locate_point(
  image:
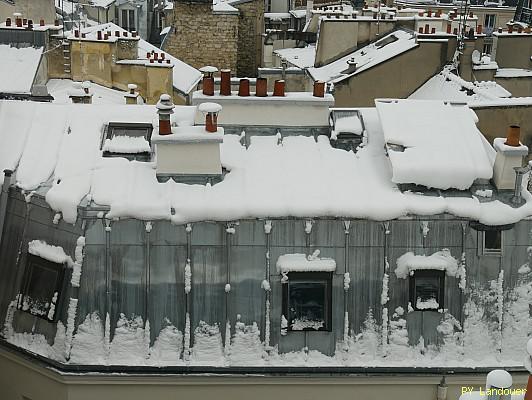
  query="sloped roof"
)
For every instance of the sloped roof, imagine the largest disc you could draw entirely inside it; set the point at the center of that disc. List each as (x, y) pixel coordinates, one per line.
(367, 57)
(18, 68)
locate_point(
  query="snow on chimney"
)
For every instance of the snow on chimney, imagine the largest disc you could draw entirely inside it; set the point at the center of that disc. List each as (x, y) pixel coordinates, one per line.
(131, 96)
(165, 107)
(211, 111)
(208, 79)
(510, 154)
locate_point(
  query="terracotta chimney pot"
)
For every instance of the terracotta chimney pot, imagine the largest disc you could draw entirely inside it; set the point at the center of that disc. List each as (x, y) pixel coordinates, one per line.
(512, 136)
(243, 88)
(319, 89)
(225, 83)
(208, 86)
(261, 89)
(278, 88)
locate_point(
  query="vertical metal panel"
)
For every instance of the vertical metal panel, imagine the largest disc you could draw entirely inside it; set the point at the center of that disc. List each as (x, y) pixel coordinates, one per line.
(289, 232)
(247, 272)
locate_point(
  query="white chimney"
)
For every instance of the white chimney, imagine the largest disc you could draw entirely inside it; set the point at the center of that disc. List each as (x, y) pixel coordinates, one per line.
(191, 154)
(510, 154)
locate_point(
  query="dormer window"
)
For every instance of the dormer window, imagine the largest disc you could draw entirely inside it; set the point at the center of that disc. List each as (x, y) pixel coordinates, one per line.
(41, 288)
(128, 140)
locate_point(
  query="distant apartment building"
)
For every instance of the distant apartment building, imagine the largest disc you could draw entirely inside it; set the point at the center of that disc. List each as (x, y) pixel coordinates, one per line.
(30, 9)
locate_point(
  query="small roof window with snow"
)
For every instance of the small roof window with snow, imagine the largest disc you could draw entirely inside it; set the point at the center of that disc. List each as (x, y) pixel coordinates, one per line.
(427, 289)
(128, 140)
(42, 284)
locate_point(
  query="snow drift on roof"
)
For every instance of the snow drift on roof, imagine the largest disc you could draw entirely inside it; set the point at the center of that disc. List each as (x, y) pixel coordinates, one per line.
(367, 57)
(301, 57)
(441, 260)
(18, 68)
(300, 177)
(433, 143)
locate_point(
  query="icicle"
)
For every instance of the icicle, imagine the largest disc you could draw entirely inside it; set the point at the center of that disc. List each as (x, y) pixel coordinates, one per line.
(188, 277)
(149, 226)
(147, 340)
(500, 307)
(308, 226)
(425, 228)
(57, 218)
(227, 344)
(267, 325)
(107, 336)
(347, 226)
(186, 345)
(243, 137)
(71, 320)
(347, 281)
(284, 325)
(78, 263)
(346, 330)
(267, 226)
(188, 228)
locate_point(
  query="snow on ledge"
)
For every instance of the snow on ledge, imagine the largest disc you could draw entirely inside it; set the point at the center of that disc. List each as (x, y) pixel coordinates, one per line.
(441, 260)
(51, 253)
(127, 144)
(301, 263)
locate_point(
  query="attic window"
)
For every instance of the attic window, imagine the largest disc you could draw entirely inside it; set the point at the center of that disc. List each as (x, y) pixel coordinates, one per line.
(307, 301)
(41, 288)
(492, 242)
(128, 140)
(427, 290)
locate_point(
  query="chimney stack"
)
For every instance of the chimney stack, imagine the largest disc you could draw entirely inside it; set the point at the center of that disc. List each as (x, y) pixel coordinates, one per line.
(41, 22)
(225, 82)
(165, 107)
(8, 21)
(132, 95)
(211, 111)
(510, 154)
(208, 79)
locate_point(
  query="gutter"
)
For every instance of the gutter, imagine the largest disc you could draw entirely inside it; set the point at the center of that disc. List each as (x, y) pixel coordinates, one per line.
(19, 355)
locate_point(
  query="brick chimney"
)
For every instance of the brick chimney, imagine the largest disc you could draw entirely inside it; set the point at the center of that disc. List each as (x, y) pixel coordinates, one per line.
(510, 155)
(165, 107)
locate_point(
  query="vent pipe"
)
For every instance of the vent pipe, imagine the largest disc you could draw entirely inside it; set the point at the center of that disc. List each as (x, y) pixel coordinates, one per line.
(278, 88)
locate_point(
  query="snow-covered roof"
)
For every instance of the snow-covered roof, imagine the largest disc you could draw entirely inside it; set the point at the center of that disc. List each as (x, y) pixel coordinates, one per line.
(301, 13)
(276, 16)
(59, 89)
(18, 68)
(301, 57)
(301, 262)
(448, 86)
(300, 177)
(224, 6)
(367, 57)
(185, 77)
(102, 3)
(434, 144)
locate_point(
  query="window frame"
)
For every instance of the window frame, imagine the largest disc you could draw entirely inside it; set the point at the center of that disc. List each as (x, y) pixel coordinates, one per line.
(319, 277)
(427, 273)
(130, 13)
(59, 286)
(490, 252)
(108, 134)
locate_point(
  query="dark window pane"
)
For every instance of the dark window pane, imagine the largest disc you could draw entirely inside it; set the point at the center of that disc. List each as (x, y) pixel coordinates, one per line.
(307, 305)
(427, 288)
(124, 19)
(131, 20)
(492, 241)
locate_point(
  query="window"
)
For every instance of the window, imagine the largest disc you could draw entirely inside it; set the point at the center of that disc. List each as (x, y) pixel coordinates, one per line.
(427, 290)
(128, 140)
(128, 20)
(489, 21)
(492, 242)
(487, 48)
(42, 284)
(307, 301)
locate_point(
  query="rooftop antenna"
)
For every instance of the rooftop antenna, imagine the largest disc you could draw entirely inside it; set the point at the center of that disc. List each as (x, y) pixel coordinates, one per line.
(378, 18)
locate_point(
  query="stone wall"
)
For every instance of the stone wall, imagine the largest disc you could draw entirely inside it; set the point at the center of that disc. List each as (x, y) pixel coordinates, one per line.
(201, 38)
(250, 30)
(224, 40)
